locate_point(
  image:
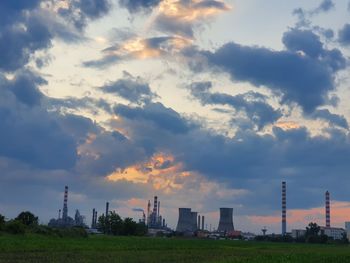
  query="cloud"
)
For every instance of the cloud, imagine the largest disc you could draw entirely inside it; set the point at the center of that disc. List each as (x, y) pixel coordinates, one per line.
(344, 35)
(28, 132)
(133, 89)
(253, 104)
(79, 12)
(179, 17)
(156, 114)
(333, 119)
(139, 48)
(24, 86)
(304, 16)
(325, 6)
(135, 6)
(304, 76)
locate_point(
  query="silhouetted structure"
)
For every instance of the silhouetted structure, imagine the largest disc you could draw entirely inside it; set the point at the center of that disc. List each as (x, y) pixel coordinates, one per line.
(187, 220)
(328, 209)
(284, 208)
(226, 220)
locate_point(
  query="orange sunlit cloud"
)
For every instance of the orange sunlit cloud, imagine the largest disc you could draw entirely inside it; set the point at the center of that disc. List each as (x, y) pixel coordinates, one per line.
(340, 212)
(192, 10)
(160, 171)
(141, 48)
(287, 125)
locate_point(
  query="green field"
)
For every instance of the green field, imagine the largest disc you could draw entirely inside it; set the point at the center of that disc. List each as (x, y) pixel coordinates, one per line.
(31, 248)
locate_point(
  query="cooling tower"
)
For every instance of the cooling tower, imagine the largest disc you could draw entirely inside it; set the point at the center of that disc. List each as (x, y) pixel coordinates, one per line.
(226, 220)
(187, 220)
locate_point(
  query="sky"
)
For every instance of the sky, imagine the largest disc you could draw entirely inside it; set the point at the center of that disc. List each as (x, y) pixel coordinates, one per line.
(204, 103)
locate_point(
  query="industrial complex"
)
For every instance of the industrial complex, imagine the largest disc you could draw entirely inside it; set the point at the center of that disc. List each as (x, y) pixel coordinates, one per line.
(192, 223)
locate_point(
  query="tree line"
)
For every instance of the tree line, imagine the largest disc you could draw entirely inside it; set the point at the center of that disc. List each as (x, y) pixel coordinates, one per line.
(113, 224)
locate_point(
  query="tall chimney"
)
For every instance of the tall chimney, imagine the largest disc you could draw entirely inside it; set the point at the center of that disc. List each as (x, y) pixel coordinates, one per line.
(155, 210)
(95, 222)
(158, 217)
(199, 222)
(59, 213)
(328, 210)
(202, 222)
(107, 209)
(284, 209)
(149, 213)
(93, 218)
(65, 204)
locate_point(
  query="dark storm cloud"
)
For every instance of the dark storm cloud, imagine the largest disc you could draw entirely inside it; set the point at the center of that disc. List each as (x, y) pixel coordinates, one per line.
(31, 134)
(80, 11)
(157, 114)
(344, 35)
(249, 160)
(25, 87)
(253, 104)
(304, 78)
(333, 119)
(133, 89)
(135, 6)
(17, 43)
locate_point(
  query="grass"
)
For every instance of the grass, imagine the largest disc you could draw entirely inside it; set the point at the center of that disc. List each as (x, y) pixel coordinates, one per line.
(35, 248)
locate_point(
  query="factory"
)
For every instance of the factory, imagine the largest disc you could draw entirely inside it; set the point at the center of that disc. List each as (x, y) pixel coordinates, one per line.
(335, 233)
(192, 223)
(65, 220)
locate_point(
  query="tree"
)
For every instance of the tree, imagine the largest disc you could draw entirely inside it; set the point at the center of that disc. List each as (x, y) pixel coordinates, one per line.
(2, 222)
(115, 223)
(129, 226)
(27, 218)
(312, 229)
(312, 234)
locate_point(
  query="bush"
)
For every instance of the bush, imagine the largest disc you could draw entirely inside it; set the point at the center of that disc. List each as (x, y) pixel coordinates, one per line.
(15, 227)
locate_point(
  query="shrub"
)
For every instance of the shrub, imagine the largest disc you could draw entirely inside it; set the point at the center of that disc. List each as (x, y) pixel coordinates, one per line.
(15, 227)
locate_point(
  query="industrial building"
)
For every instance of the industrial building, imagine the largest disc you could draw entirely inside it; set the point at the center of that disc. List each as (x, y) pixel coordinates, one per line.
(226, 220)
(154, 218)
(187, 221)
(65, 220)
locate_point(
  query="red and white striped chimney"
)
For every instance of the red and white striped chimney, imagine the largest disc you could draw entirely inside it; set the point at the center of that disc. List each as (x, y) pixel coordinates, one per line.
(328, 210)
(284, 208)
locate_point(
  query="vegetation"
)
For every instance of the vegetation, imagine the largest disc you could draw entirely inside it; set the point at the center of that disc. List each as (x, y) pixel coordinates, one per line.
(115, 225)
(103, 248)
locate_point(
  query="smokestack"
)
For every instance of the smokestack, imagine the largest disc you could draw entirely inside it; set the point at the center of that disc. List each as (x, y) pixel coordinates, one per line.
(59, 213)
(65, 204)
(93, 218)
(202, 222)
(199, 222)
(149, 213)
(328, 210)
(284, 208)
(163, 222)
(158, 217)
(107, 209)
(95, 222)
(155, 210)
